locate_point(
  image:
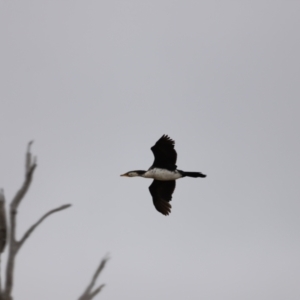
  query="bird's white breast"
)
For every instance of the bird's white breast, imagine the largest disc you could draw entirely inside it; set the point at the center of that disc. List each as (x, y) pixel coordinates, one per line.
(162, 174)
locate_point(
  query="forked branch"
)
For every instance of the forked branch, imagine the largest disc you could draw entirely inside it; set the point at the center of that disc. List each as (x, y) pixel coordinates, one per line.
(88, 293)
(14, 245)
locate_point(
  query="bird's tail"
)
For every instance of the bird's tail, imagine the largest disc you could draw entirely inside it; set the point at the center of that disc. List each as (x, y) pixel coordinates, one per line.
(192, 174)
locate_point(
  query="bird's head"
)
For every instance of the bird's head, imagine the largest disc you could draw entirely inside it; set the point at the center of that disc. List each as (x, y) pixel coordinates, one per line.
(134, 173)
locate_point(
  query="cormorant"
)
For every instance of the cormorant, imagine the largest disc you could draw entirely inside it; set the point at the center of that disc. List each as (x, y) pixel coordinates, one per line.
(164, 172)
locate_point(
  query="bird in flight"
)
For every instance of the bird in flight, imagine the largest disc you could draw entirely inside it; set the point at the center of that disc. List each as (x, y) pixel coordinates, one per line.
(164, 172)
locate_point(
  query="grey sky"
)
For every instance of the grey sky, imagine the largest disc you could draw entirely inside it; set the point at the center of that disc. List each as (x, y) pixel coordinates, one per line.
(95, 84)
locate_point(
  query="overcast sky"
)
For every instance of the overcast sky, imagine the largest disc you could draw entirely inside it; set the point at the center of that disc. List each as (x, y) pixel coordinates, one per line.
(95, 84)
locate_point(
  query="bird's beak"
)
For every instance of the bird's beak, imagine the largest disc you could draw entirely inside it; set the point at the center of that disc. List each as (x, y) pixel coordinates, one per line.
(124, 175)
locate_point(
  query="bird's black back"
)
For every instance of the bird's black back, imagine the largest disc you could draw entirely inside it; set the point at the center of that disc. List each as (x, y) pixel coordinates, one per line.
(164, 154)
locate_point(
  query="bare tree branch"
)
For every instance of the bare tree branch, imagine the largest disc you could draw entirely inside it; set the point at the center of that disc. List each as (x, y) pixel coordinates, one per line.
(14, 245)
(30, 166)
(88, 294)
(96, 291)
(33, 227)
(28, 158)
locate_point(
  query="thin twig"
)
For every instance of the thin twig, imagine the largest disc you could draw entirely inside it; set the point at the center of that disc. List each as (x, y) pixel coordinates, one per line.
(88, 294)
(33, 227)
(28, 162)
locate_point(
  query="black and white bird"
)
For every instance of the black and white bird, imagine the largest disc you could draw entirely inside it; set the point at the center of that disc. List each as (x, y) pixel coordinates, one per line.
(164, 172)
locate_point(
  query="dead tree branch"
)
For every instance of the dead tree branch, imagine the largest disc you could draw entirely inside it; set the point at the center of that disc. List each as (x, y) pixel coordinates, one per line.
(88, 293)
(30, 165)
(31, 229)
(14, 245)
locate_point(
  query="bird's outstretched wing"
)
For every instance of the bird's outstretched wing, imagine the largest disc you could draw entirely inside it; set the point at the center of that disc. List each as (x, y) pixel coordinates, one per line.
(161, 192)
(164, 154)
